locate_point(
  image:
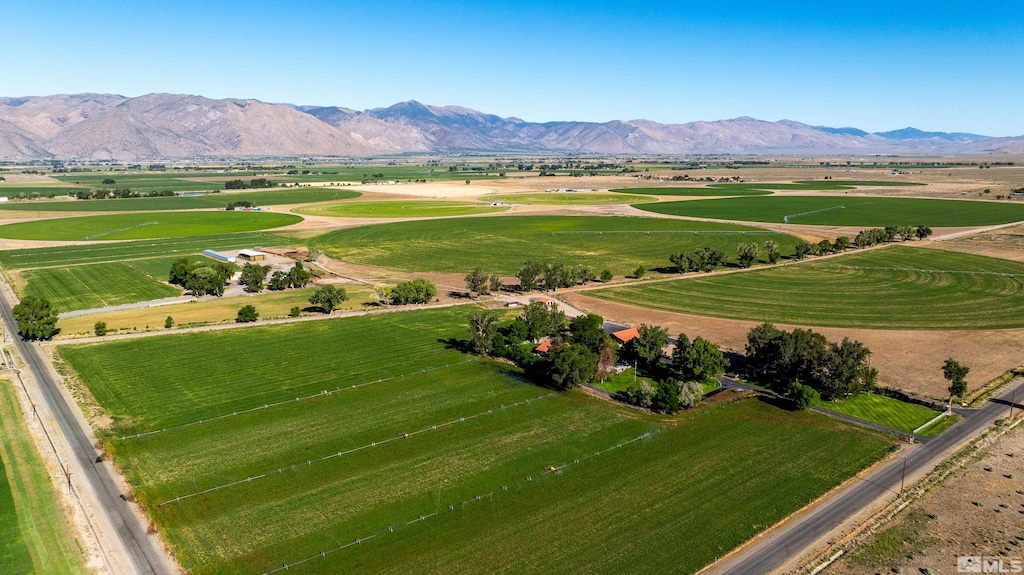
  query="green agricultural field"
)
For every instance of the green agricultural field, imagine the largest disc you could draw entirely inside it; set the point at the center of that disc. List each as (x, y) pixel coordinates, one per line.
(399, 209)
(501, 244)
(120, 251)
(838, 210)
(883, 410)
(149, 182)
(931, 289)
(145, 225)
(705, 191)
(299, 504)
(761, 189)
(568, 199)
(34, 534)
(204, 201)
(95, 285)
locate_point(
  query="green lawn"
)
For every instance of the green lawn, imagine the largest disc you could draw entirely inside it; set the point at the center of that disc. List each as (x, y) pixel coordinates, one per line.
(501, 244)
(668, 486)
(836, 293)
(399, 209)
(35, 536)
(266, 198)
(841, 210)
(120, 251)
(134, 226)
(568, 198)
(96, 285)
(883, 410)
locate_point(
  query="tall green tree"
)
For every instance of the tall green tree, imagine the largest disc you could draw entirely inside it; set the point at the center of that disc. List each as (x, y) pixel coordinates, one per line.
(418, 290)
(299, 276)
(543, 319)
(647, 347)
(328, 297)
(747, 254)
(588, 331)
(666, 397)
(955, 373)
(483, 326)
(700, 361)
(572, 366)
(476, 281)
(529, 276)
(247, 314)
(253, 276)
(771, 249)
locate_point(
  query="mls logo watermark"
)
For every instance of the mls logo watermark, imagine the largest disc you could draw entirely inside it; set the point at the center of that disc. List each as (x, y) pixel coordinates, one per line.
(979, 564)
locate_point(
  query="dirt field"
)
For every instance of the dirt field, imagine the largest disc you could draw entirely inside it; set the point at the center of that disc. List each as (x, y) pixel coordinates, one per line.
(908, 360)
(1005, 243)
(978, 511)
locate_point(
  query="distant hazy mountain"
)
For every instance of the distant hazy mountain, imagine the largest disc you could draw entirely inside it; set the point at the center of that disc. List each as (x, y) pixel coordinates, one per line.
(170, 126)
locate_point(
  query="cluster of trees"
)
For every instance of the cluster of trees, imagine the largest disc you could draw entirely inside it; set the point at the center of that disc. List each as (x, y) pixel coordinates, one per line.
(418, 290)
(201, 277)
(704, 259)
(254, 277)
(253, 183)
(239, 204)
(581, 352)
(480, 283)
(36, 318)
(678, 383)
(824, 247)
(787, 361)
(103, 194)
(890, 234)
(551, 276)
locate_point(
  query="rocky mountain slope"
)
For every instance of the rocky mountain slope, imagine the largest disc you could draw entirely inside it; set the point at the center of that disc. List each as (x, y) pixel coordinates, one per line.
(171, 126)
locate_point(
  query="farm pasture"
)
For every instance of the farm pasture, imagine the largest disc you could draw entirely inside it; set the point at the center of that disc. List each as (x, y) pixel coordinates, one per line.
(97, 285)
(299, 504)
(398, 209)
(132, 226)
(895, 287)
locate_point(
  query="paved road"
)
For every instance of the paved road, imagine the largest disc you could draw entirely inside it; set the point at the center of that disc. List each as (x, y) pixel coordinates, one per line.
(143, 551)
(795, 537)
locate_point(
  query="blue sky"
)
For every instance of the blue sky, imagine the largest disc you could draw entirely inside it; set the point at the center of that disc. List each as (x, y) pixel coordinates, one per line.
(874, 65)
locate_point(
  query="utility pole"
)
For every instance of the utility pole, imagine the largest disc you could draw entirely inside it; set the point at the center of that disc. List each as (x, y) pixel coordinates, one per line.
(903, 479)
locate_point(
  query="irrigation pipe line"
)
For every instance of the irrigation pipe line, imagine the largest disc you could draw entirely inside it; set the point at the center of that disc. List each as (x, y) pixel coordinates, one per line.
(880, 268)
(785, 219)
(692, 232)
(119, 230)
(551, 470)
(310, 462)
(288, 401)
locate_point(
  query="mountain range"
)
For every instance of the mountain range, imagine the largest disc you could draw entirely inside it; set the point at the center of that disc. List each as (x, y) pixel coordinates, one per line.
(173, 126)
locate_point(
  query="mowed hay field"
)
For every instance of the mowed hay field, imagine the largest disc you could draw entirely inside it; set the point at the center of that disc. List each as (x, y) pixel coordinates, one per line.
(500, 244)
(667, 485)
(399, 209)
(97, 285)
(895, 287)
(145, 225)
(119, 251)
(265, 198)
(835, 210)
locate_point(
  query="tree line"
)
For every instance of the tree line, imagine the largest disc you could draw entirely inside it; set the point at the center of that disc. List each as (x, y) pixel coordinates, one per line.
(253, 183)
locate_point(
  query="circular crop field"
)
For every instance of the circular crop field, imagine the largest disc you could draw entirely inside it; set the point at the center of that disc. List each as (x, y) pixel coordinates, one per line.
(135, 226)
(399, 209)
(569, 199)
(892, 288)
(501, 244)
(838, 210)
